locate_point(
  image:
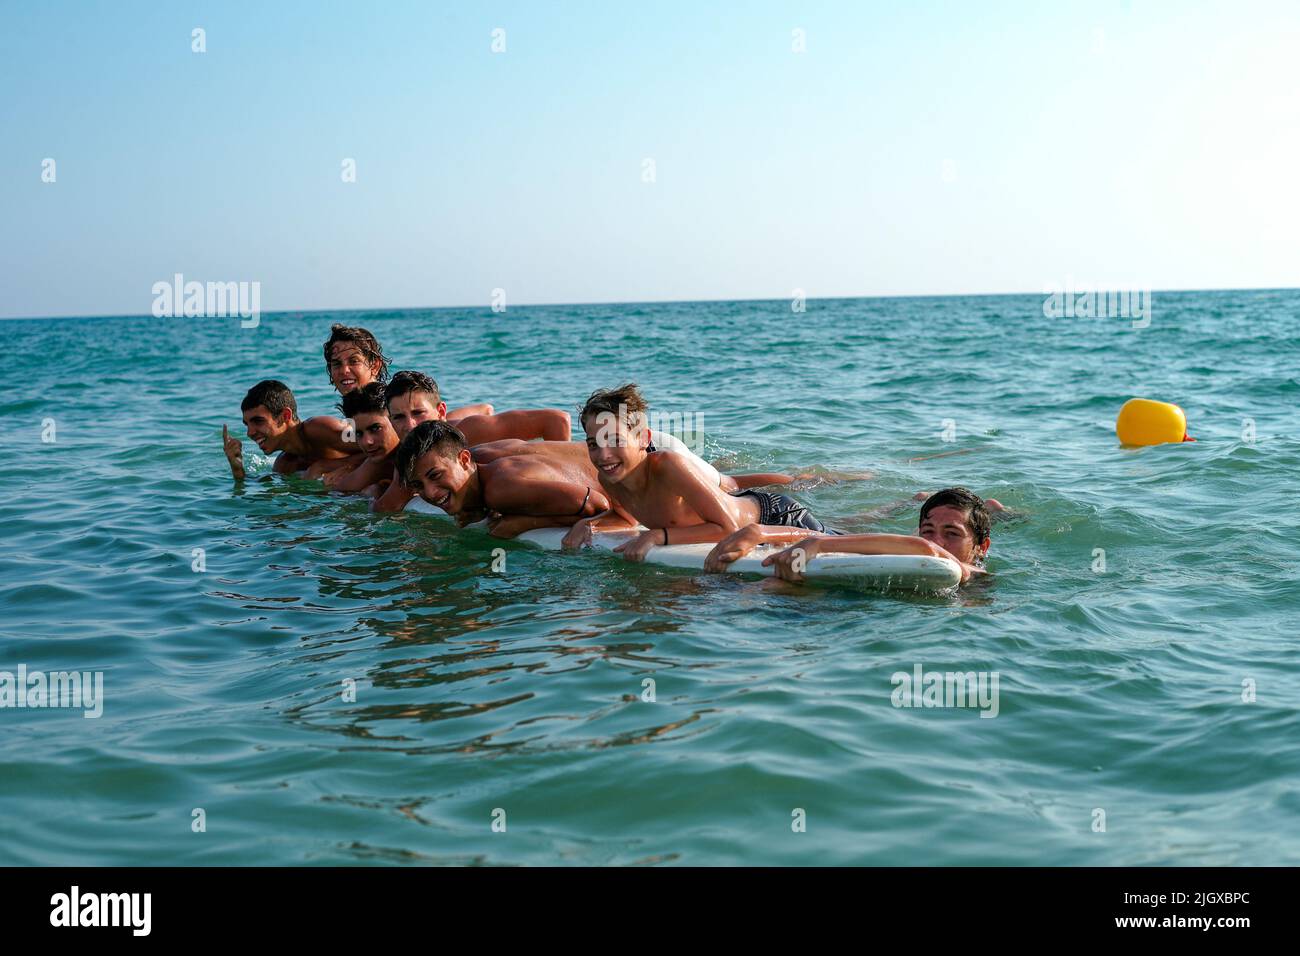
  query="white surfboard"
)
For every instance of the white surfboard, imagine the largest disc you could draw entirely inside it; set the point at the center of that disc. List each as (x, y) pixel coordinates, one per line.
(867, 571)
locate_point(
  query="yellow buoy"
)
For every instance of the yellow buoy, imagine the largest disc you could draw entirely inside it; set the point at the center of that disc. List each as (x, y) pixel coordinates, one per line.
(1145, 422)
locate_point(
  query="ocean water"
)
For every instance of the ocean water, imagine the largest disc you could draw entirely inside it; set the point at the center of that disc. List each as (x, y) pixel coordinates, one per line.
(1162, 691)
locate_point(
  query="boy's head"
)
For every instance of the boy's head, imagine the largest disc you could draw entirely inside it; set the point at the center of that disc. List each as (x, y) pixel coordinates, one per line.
(617, 434)
(269, 411)
(413, 398)
(365, 407)
(434, 460)
(353, 358)
(956, 520)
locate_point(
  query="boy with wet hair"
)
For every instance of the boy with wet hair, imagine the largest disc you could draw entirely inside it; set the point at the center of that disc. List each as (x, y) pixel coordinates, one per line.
(365, 408)
(516, 485)
(954, 523)
(413, 398)
(270, 414)
(353, 358)
(678, 501)
(629, 398)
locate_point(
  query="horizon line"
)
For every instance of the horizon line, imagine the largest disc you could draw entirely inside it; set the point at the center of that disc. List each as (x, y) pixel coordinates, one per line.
(531, 305)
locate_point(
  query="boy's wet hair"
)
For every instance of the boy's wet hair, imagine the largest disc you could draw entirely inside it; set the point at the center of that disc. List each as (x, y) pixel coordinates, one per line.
(369, 399)
(977, 515)
(366, 344)
(626, 400)
(440, 437)
(274, 396)
(408, 381)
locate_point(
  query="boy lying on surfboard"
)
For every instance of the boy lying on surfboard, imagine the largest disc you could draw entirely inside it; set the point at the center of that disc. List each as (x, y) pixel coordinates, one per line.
(954, 523)
(412, 398)
(516, 485)
(667, 491)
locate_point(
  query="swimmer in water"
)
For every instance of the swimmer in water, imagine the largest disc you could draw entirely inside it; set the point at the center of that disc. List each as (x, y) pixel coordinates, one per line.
(270, 413)
(364, 407)
(954, 523)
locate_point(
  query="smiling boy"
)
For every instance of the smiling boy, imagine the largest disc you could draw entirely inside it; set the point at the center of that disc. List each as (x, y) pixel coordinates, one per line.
(667, 491)
(354, 359)
(516, 485)
(413, 398)
(364, 407)
(954, 523)
(270, 414)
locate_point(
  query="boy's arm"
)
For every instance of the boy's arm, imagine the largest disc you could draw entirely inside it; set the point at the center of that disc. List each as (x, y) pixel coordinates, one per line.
(323, 466)
(395, 498)
(676, 478)
(467, 410)
(512, 526)
(744, 540)
(789, 563)
(548, 424)
(614, 518)
(234, 449)
(552, 499)
(741, 482)
(326, 431)
(359, 478)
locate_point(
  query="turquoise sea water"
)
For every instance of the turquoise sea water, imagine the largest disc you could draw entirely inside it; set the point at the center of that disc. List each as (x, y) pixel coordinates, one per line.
(1120, 690)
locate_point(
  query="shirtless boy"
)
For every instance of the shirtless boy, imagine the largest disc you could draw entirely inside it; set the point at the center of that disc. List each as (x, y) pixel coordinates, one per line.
(665, 441)
(270, 413)
(364, 407)
(516, 485)
(954, 523)
(413, 398)
(668, 492)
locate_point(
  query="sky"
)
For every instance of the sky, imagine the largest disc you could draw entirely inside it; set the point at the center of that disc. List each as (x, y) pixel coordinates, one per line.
(628, 151)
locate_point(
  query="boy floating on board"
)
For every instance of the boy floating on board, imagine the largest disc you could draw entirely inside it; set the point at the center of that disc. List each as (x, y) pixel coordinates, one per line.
(665, 441)
(515, 485)
(678, 501)
(413, 398)
(954, 523)
(270, 413)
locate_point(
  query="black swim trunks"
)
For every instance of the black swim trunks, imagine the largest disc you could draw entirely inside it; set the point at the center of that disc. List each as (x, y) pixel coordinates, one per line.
(784, 511)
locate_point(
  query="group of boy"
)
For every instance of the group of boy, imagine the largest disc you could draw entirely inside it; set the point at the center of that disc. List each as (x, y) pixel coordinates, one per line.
(519, 470)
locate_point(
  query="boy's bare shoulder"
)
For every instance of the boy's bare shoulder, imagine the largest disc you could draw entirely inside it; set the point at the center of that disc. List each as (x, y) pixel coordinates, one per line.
(666, 461)
(322, 427)
(671, 466)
